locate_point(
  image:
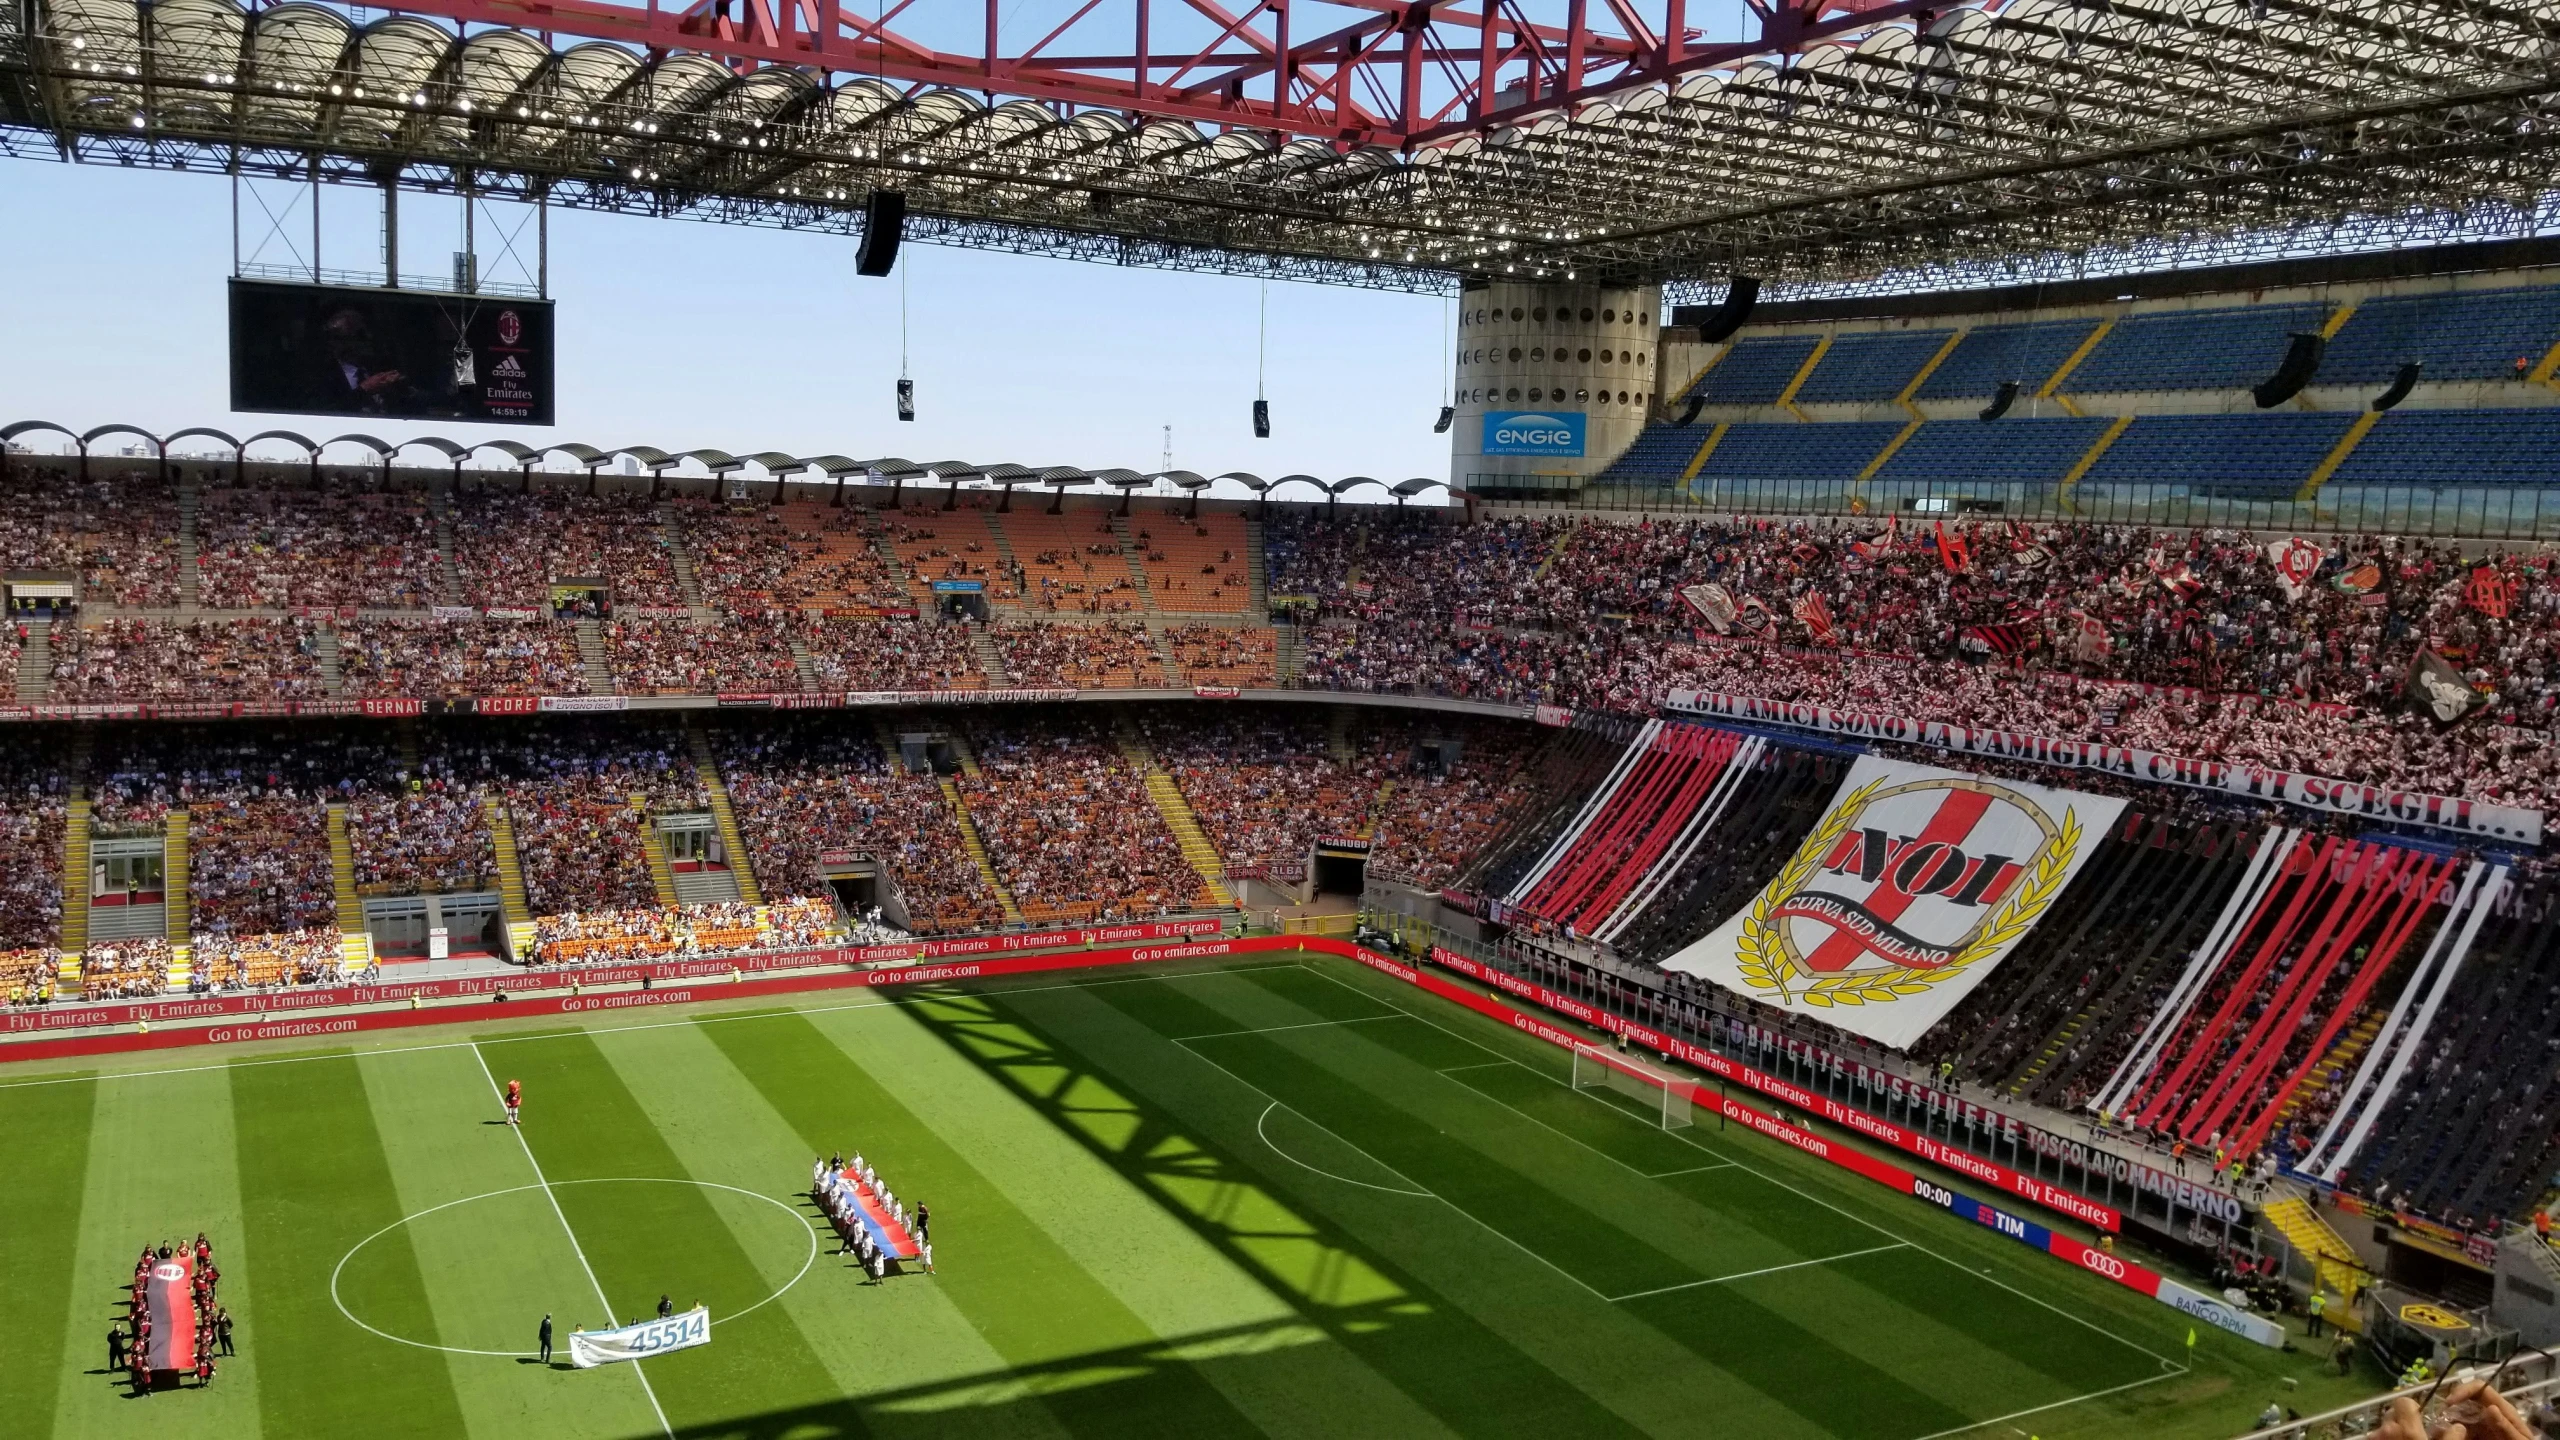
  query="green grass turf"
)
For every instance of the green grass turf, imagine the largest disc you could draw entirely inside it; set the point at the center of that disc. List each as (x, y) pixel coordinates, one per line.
(1280, 1198)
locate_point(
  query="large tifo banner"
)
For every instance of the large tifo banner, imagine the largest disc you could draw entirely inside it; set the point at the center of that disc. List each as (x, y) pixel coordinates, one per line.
(2254, 782)
(590, 1348)
(1915, 885)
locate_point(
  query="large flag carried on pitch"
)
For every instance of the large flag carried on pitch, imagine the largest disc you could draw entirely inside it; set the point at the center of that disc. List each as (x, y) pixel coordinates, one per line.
(170, 1294)
(682, 1331)
(1915, 885)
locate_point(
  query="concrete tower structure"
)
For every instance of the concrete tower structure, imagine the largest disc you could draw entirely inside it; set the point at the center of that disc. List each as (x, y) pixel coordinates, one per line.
(1553, 382)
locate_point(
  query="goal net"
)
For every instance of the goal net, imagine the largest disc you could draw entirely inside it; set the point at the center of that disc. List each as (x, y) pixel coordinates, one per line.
(1661, 1095)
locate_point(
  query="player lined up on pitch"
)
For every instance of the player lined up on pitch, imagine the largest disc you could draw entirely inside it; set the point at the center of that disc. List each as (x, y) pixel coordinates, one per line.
(870, 1220)
(174, 1321)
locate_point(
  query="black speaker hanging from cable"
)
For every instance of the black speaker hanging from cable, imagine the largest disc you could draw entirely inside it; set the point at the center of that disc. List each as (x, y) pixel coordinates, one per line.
(906, 399)
(1689, 415)
(1261, 419)
(2001, 402)
(2401, 385)
(884, 221)
(1261, 352)
(1730, 312)
(2301, 362)
(1448, 417)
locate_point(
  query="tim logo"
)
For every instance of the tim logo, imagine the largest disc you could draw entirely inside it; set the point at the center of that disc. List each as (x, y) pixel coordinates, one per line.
(510, 327)
(1907, 876)
(1533, 432)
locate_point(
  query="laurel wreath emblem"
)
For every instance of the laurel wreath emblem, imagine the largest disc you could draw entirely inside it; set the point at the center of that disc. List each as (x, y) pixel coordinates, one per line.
(1765, 967)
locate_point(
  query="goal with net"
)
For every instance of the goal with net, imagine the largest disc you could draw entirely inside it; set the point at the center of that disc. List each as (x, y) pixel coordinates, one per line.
(1660, 1094)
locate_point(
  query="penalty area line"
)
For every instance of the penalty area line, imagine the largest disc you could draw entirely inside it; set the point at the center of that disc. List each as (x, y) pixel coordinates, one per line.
(1764, 1270)
(545, 1182)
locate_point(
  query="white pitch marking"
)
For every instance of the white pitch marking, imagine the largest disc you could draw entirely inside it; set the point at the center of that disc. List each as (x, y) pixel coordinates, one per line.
(1276, 1029)
(1768, 1270)
(540, 1179)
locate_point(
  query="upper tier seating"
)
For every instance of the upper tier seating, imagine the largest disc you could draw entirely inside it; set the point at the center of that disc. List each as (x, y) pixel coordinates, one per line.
(1868, 365)
(264, 548)
(1071, 561)
(2268, 454)
(2459, 335)
(413, 657)
(1991, 356)
(2009, 451)
(1194, 566)
(1756, 371)
(1797, 452)
(950, 544)
(1661, 453)
(120, 535)
(749, 555)
(509, 549)
(2456, 447)
(2227, 349)
(259, 659)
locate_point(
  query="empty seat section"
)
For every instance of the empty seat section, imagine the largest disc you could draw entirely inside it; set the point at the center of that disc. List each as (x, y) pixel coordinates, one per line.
(1662, 453)
(1993, 355)
(2461, 335)
(1756, 371)
(1798, 452)
(2456, 447)
(2262, 455)
(2020, 452)
(1869, 365)
(2194, 349)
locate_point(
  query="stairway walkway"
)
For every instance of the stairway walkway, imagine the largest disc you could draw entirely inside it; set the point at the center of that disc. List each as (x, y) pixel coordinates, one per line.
(448, 573)
(741, 866)
(2302, 1228)
(1187, 834)
(75, 863)
(680, 555)
(324, 648)
(2333, 1065)
(355, 943)
(1137, 561)
(177, 914)
(190, 565)
(975, 848)
(34, 680)
(653, 846)
(595, 659)
(511, 894)
(1257, 579)
(990, 659)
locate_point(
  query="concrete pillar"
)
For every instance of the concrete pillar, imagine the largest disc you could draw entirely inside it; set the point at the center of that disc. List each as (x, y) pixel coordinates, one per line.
(1561, 358)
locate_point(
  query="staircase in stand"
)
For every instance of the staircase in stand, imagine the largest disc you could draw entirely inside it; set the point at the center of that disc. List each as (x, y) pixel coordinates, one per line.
(741, 868)
(1196, 849)
(35, 663)
(324, 648)
(1173, 676)
(807, 666)
(355, 943)
(990, 658)
(1291, 644)
(190, 568)
(595, 659)
(177, 914)
(1137, 561)
(1377, 809)
(2301, 1226)
(680, 556)
(2341, 1055)
(1257, 579)
(976, 849)
(75, 865)
(448, 574)
(511, 897)
(2055, 1049)
(653, 845)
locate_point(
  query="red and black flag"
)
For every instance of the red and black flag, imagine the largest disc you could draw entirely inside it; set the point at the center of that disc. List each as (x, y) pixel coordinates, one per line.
(1817, 618)
(2489, 592)
(2008, 641)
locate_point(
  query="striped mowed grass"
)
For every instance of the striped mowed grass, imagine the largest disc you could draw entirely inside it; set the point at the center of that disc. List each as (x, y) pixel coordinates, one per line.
(1288, 1198)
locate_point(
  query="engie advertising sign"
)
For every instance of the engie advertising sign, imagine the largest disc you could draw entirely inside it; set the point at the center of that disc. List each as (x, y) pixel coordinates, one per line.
(1534, 432)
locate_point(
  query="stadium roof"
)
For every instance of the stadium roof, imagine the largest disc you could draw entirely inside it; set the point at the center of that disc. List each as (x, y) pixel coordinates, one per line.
(1411, 141)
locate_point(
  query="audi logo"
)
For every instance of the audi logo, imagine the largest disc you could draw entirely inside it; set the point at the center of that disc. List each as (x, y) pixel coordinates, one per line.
(2104, 1263)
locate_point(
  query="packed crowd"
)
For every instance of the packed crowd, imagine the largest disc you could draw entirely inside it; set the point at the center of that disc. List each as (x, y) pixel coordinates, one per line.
(877, 655)
(261, 548)
(580, 798)
(256, 659)
(1265, 786)
(258, 962)
(32, 791)
(1070, 827)
(712, 928)
(806, 785)
(1441, 816)
(125, 969)
(119, 536)
(750, 556)
(411, 657)
(746, 654)
(421, 834)
(1095, 656)
(510, 549)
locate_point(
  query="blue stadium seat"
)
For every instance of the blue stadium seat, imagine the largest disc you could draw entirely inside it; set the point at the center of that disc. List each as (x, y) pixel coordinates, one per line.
(2461, 335)
(1993, 355)
(1798, 452)
(2194, 349)
(1870, 365)
(1757, 370)
(2268, 456)
(1661, 454)
(2457, 447)
(1946, 453)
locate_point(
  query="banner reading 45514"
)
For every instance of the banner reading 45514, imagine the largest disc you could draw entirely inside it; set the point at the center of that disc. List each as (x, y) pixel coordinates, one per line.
(1915, 884)
(590, 1348)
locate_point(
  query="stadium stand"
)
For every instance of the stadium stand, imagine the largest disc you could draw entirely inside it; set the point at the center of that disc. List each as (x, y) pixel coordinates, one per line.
(383, 656)
(2501, 448)
(2218, 349)
(2270, 454)
(1661, 454)
(1103, 655)
(1246, 657)
(1951, 455)
(1195, 566)
(2456, 335)
(750, 555)
(748, 654)
(1991, 356)
(1870, 365)
(953, 544)
(1755, 371)
(510, 549)
(1070, 561)
(892, 655)
(249, 659)
(1265, 786)
(121, 535)
(32, 813)
(261, 548)
(1797, 452)
(1070, 829)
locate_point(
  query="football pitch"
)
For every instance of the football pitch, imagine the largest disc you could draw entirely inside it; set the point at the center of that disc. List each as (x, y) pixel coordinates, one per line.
(1287, 1197)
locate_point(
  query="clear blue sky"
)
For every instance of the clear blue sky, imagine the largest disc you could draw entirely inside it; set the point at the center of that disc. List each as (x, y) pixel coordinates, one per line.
(682, 335)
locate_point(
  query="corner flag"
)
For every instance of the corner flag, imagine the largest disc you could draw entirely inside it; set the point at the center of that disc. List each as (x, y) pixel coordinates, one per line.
(2191, 1337)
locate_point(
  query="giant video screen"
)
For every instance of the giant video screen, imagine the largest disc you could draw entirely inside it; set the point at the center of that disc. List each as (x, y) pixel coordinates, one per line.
(390, 354)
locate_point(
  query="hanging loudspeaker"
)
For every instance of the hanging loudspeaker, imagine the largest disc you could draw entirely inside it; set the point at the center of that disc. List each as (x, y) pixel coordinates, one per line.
(2401, 385)
(906, 399)
(2001, 402)
(1689, 416)
(2301, 362)
(1730, 312)
(884, 218)
(1261, 419)
(1448, 417)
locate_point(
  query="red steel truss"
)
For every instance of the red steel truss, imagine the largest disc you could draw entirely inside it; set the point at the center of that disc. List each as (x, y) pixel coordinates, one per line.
(1404, 74)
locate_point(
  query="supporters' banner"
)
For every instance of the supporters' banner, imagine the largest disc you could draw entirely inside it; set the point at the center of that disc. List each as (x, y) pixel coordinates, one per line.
(1714, 604)
(557, 704)
(2311, 792)
(1817, 619)
(2358, 579)
(2296, 561)
(2440, 691)
(590, 1348)
(2489, 592)
(170, 1293)
(1915, 885)
(2089, 638)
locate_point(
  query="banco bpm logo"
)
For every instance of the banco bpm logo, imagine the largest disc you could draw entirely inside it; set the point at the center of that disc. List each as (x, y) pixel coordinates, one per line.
(1903, 886)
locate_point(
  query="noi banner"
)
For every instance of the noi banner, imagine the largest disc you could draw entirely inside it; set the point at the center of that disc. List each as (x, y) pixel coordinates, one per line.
(1916, 884)
(591, 1348)
(170, 1293)
(2256, 782)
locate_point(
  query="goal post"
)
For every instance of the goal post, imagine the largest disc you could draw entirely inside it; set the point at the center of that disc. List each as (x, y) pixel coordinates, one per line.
(1662, 1095)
